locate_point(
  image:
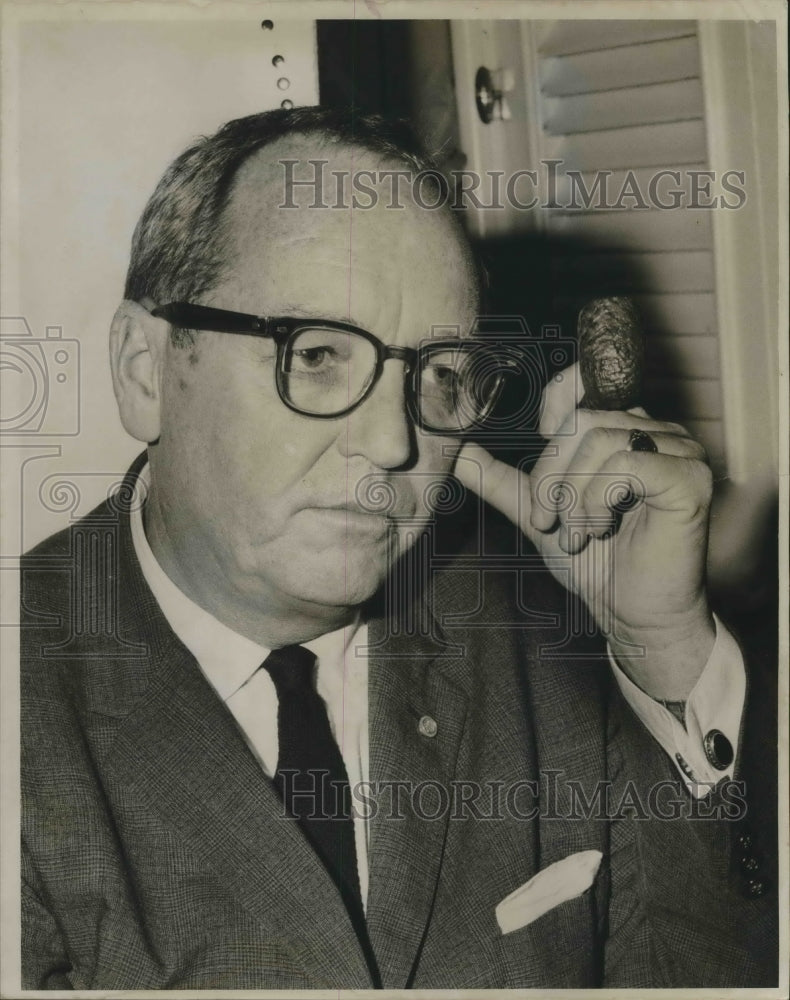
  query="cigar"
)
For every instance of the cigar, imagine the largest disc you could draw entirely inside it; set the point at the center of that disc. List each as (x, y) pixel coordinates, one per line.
(611, 354)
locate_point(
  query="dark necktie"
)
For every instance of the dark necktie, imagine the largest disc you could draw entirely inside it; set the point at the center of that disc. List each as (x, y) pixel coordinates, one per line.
(311, 776)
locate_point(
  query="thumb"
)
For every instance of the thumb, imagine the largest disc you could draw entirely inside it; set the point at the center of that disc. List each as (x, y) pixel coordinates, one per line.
(498, 483)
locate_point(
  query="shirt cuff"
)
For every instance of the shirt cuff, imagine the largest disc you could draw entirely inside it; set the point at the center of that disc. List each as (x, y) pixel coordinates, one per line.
(705, 750)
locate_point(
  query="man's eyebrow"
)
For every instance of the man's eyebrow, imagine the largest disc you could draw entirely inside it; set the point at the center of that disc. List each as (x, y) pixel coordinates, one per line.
(303, 311)
(298, 310)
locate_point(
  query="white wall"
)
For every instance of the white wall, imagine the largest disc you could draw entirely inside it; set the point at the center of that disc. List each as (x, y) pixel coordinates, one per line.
(94, 108)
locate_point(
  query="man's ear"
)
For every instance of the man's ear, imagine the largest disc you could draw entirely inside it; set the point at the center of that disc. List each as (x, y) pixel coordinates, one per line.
(138, 342)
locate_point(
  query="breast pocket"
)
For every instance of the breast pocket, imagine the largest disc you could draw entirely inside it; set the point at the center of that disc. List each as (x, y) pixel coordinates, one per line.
(557, 950)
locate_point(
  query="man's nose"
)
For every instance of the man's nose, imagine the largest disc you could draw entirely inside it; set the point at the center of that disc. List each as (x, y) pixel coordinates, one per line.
(380, 430)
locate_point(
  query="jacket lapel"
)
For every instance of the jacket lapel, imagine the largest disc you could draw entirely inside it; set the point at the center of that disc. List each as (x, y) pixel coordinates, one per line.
(182, 756)
(411, 678)
(568, 698)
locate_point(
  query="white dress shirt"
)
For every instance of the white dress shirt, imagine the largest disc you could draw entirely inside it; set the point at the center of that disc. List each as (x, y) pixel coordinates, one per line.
(231, 664)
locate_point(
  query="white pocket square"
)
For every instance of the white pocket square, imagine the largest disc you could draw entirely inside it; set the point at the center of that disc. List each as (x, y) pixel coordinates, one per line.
(559, 882)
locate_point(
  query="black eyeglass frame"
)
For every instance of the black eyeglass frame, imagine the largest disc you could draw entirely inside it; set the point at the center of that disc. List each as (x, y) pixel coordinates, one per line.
(281, 329)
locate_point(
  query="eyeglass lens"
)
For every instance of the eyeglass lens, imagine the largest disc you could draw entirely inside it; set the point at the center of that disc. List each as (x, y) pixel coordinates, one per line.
(456, 386)
(325, 372)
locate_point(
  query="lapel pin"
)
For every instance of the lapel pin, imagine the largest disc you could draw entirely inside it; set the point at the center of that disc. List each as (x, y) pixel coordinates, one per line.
(427, 726)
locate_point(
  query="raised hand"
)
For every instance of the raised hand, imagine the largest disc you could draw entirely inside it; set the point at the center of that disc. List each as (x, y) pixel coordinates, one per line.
(640, 571)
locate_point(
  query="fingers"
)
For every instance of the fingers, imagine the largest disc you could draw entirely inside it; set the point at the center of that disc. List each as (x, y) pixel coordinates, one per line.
(586, 499)
(498, 483)
(560, 398)
(581, 480)
(580, 448)
(663, 482)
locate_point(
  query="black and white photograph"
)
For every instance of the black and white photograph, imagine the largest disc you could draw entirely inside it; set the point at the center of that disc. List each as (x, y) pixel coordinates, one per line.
(394, 443)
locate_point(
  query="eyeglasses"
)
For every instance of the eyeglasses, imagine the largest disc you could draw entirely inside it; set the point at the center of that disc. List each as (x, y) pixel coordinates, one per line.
(326, 369)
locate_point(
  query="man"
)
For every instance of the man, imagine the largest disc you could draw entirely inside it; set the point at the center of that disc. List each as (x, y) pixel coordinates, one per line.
(238, 619)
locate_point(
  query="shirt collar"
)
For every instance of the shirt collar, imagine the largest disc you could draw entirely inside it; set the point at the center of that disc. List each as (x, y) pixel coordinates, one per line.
(227, 658)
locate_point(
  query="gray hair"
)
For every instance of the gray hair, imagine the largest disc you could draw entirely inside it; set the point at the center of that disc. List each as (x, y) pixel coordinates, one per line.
(180, 244)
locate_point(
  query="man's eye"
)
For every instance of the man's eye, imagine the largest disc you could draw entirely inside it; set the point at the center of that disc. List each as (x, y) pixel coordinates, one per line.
(440, 376)
(315, 357)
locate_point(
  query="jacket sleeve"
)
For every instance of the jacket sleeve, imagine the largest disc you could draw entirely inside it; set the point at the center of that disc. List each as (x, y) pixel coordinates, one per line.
(680, 914)
(45, 962)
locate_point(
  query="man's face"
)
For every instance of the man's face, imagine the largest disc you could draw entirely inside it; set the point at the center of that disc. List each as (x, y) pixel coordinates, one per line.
(262, 502)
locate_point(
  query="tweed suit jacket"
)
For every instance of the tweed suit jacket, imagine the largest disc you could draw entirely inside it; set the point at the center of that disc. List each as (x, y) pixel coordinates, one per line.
(155, 853)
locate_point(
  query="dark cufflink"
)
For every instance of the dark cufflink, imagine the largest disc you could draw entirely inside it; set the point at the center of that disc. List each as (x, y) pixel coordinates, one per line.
(718, 750)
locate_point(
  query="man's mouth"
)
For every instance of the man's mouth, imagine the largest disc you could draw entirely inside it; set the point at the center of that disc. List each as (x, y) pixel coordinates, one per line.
(352, 515)
(350, 518)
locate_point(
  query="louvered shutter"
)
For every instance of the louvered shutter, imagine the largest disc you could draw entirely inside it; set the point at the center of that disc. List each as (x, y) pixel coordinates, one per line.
(627, 96)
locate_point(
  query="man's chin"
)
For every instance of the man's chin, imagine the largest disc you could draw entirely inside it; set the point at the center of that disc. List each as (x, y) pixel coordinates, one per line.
(340, 578)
